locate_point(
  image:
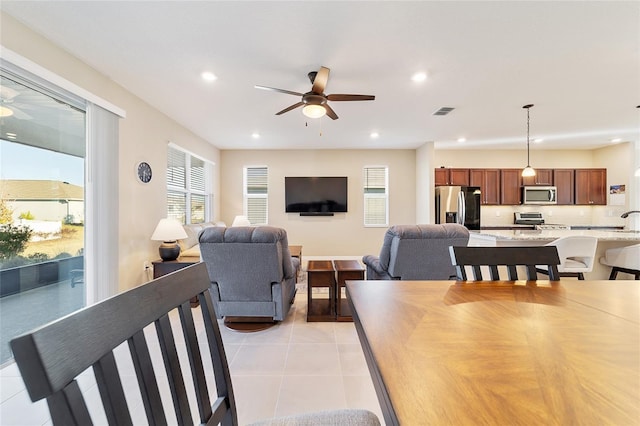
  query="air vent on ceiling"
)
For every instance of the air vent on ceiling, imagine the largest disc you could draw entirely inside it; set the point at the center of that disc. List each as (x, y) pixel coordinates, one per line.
(443, 111)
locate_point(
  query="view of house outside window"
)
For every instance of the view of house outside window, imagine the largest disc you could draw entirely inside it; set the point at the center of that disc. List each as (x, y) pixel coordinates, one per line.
(42, 209)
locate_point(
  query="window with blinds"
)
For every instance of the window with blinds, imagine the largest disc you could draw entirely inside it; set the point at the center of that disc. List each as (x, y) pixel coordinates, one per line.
(376, 196)
(188, 187)
(256, 194)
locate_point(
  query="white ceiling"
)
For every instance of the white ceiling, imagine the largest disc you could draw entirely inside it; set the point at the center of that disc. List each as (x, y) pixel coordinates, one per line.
(578, 62)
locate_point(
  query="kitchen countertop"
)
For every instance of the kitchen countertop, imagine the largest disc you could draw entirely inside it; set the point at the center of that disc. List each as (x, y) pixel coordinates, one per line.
(552, 234)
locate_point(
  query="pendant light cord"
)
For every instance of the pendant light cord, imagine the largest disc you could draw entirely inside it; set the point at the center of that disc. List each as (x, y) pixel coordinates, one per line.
(528, 162)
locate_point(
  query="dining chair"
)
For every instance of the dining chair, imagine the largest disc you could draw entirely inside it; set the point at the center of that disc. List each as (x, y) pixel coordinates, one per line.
(577, 254)
(509, 257)
(53, 360)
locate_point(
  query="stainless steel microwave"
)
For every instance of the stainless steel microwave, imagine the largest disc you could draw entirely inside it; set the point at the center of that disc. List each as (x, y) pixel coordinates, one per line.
(539, 195)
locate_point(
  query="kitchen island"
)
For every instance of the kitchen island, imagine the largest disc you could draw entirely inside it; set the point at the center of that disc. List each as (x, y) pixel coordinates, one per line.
(530, 237)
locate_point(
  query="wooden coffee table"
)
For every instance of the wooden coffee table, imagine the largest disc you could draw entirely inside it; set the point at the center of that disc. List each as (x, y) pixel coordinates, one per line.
(320, 273)
(345, 270)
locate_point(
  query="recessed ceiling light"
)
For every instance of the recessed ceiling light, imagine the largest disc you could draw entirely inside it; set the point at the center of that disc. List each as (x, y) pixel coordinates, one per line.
(209, 76)
(419, 76)
(255, 135)
(462, 139)
(375, 135)
(616, 140)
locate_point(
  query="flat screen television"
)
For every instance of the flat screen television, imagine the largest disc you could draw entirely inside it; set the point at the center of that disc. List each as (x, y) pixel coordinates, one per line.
(315, 195)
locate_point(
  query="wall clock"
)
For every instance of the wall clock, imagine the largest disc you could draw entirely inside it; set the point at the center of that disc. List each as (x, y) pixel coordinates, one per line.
(144, 172)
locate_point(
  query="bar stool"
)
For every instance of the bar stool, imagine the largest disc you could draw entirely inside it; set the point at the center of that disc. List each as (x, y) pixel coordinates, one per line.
(623, 259)
(577, 254)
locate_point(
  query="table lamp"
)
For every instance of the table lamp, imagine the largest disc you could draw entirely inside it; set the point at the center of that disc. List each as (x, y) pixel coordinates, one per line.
(169, 231)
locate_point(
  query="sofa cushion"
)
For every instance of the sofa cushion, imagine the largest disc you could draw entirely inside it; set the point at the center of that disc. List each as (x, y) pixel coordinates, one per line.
(192, 231)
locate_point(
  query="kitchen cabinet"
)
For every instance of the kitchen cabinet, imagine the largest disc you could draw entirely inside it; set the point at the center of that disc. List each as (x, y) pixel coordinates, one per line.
(542, 177)
(563, 179)
(489, 182)
(591, 186)
(444, 176)
(510, 186)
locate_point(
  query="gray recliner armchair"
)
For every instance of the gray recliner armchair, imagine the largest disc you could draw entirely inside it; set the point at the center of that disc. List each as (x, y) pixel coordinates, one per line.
(416, 252)
(251, 270)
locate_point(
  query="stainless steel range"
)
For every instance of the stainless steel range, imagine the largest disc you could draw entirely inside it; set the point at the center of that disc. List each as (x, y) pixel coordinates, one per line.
(536, 219)
(528, 218)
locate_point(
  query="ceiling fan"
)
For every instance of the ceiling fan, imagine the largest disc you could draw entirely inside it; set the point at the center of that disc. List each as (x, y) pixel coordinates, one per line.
(315, 102)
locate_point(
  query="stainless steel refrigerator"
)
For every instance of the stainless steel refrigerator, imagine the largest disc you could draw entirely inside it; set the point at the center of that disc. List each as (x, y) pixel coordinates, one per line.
(458, 204)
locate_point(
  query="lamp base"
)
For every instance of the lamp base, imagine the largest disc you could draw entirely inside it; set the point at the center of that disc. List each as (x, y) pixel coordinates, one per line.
(169, 250)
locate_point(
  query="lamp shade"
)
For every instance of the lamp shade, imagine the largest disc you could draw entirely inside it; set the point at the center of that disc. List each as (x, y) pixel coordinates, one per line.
(168, 230)
(241, 221)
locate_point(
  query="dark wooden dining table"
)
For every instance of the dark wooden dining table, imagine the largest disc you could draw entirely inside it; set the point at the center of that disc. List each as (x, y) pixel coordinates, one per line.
(502, 353)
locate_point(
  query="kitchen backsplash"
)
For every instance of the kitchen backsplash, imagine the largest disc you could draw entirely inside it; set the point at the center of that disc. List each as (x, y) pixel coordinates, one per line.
(565, 215)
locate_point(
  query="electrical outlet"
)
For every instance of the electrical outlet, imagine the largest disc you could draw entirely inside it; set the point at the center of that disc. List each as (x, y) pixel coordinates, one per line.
(550, 213)
(497, 213)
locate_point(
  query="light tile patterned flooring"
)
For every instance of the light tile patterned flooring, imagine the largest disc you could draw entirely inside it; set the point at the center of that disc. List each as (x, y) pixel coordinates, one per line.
(292, 368)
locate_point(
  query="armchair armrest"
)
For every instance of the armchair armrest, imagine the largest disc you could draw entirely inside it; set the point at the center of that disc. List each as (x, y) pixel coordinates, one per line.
(374, 269)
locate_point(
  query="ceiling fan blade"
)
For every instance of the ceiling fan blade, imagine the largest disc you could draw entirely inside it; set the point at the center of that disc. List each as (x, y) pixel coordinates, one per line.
(287, 109)
(330, 112)
(351, 97)
(273, 89)
(320, 82)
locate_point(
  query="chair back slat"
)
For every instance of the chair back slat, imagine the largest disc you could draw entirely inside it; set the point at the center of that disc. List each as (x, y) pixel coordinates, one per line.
(511, 257)
(226, 406)
(68, 406)
(51, 357)
(174, 372)
(111, 391)
(195, 360)
(146, 379)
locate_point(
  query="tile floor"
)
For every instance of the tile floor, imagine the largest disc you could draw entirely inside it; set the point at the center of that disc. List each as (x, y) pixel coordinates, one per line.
(291, 368)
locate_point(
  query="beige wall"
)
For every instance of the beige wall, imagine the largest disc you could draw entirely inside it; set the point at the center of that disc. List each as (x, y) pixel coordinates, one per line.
(144, 135)
(339, 235)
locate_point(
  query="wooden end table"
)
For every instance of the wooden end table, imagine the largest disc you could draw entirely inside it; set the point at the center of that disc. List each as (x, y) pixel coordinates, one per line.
(345, 270)
(164, 267)
(320, 273)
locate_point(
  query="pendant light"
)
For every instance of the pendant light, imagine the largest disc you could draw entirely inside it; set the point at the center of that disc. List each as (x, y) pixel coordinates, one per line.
(528, 171)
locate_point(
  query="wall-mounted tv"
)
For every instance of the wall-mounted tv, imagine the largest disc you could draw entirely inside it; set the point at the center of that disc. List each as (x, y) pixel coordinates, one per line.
(315, 195)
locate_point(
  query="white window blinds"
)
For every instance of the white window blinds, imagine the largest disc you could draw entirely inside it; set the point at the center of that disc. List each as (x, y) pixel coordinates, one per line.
(188, 193)
(256, 193)
(376, 197)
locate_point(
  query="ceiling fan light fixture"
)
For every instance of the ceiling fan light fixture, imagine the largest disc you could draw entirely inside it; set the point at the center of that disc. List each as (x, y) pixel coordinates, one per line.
(314, 111)
(5, 112)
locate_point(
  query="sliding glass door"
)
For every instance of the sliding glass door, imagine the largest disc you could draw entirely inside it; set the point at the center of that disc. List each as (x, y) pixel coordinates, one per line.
(42, 207)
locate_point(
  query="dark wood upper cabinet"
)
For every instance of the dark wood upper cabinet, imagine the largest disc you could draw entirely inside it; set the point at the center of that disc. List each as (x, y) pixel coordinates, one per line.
(510, 186)
(563, 179)
(444, 176)
(591, 186)
(504, 186)
(489, 182)
(441, 176)
(542, 177)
